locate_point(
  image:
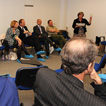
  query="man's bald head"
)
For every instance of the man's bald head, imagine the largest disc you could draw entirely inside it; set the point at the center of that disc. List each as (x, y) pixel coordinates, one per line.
(77, 54)
(39, 21)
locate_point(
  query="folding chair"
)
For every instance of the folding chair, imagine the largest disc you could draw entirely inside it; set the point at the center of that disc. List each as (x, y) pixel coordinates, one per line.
(99, 66)
(25, 77)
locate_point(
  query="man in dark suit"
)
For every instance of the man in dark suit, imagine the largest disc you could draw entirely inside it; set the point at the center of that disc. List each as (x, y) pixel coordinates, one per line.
(30, 40)
(66, 88)
(39, 31)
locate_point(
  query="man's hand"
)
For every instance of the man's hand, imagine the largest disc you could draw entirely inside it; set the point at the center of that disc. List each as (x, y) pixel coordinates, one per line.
(25, 32)
(94, 76)
(52, 30)
(29, 33)
(39, 36)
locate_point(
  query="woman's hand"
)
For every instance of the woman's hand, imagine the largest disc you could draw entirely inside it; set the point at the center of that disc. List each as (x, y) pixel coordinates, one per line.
(77, 26)
(19, 43)
(90, 20)
(19, 40)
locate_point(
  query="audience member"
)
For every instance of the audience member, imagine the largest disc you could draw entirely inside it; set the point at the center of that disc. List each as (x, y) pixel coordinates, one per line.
(79, 25)
(40, 32)
(66, 88)
(29, 39)
(53, 32)
(14, 41)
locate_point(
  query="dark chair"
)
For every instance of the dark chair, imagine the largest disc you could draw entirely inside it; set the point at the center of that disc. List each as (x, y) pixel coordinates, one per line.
(25, 77)
(99, 66)
(65, 34)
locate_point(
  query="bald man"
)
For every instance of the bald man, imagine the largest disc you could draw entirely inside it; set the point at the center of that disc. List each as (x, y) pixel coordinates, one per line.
(40, 32)
(66, 88)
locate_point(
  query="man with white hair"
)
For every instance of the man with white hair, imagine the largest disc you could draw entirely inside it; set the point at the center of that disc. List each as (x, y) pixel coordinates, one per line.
(66, 88)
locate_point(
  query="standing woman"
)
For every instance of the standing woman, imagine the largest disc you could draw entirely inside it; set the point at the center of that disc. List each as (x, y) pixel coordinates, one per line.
(14, 41)
(79, 25)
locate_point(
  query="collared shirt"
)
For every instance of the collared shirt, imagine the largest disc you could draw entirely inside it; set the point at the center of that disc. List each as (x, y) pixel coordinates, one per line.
(40, 29)
(24, 30)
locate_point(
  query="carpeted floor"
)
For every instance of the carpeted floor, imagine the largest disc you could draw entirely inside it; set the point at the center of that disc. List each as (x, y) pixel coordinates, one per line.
(54, 62)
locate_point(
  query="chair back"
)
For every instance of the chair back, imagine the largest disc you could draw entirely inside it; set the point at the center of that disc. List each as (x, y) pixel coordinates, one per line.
(103, 61)
(2, 37)
(59, 70)
(25, 76)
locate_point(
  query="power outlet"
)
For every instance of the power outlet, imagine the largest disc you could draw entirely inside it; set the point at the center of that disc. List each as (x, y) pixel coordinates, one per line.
(66, 28)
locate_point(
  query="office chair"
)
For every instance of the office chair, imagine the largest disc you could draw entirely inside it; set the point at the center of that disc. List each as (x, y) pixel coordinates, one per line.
(99, 66)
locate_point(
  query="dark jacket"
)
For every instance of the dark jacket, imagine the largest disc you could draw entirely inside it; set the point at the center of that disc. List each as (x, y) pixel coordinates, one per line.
(77, 21)
(22, 35)
(37, 32)
(61, 89)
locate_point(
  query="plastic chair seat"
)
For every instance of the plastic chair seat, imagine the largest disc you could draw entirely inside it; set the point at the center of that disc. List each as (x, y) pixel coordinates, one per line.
(58, 70)
(11, 47)
(103, 77)
(27, 45)
(96, 67)
(2, 47)
(103, 42)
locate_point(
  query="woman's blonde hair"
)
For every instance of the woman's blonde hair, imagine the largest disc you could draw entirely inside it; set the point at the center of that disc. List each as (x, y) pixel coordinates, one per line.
(80, 14)
(13, 23)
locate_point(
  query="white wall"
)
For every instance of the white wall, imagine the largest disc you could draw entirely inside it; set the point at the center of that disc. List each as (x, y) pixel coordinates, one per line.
(15, 9)
(10, 10)
(43, 9)
(95, 7)
(62, 12)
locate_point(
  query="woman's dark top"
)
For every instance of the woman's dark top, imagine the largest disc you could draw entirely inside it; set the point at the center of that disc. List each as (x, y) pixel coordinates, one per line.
(84, 21)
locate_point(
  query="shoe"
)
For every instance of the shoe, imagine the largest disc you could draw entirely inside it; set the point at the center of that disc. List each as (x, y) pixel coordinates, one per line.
(57, 49)
(51, 49)
(8, 57)
(41, 52)
(46, 57)
(41, 59)
(18, 61)
(3, 57)
(29, 56)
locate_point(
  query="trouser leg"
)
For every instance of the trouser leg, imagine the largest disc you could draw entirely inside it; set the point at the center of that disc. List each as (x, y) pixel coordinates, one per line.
(33, 41)
(24, 49)
(62, 38)
(18, 50)
(59, 39)
(44, 39)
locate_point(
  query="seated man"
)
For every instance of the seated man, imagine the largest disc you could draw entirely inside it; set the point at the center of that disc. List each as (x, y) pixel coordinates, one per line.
(30, 40)
(39, 31)
(53, 32)
(66, 88)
